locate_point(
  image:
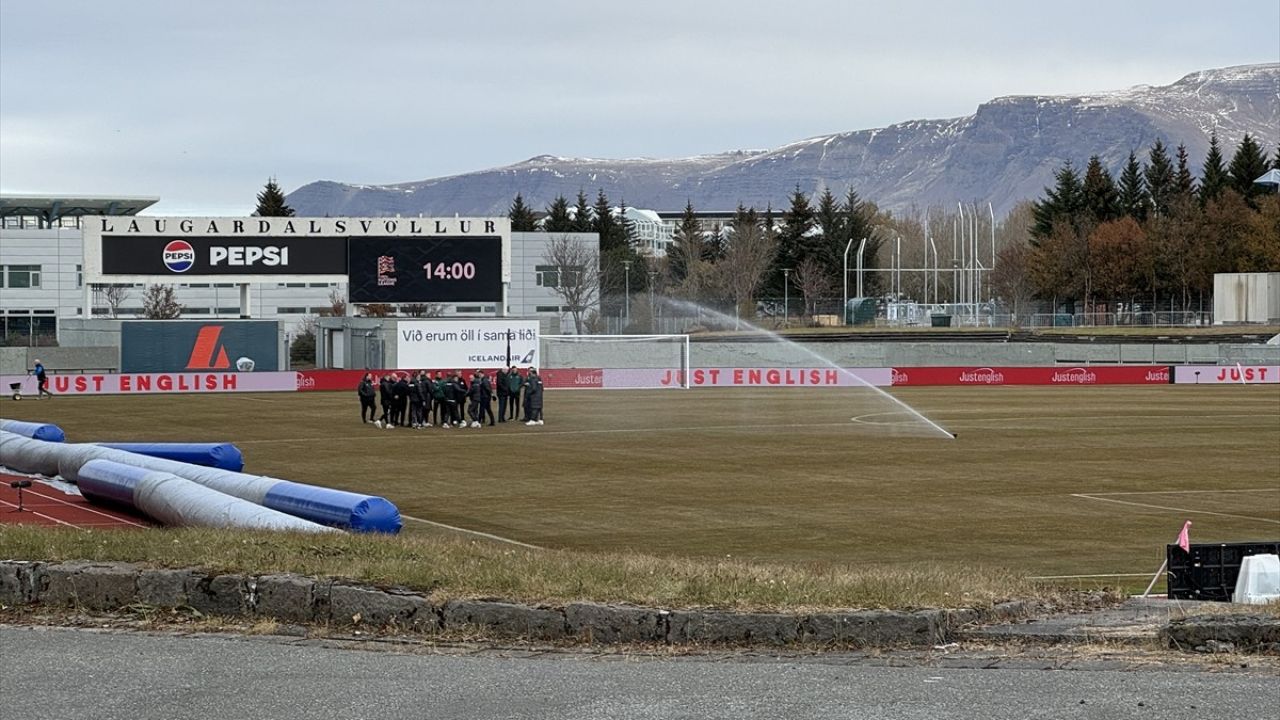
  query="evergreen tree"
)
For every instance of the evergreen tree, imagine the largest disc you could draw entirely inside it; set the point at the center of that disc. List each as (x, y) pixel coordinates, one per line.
(606, 225)
(1184, 183)
(627, 224)
(558, 219)
(827, 245)
(521, 216)
(1064, 201)
(1101, 199)
(797, 221)
(1275, 159)
(582, 221)
(1134, 200)
(271, 202)
(1248, 164)
(1213, 179)
(713, 246)
(686, 245)
(1160, 181)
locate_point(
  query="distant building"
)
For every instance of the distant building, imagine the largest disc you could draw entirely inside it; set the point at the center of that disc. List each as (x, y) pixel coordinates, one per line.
(41, 276)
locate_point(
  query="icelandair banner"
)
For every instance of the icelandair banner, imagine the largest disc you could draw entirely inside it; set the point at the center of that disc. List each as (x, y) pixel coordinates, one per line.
(1226, 374)
(466, 344)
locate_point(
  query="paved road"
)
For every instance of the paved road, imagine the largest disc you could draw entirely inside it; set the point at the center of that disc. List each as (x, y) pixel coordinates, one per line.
(66, 673)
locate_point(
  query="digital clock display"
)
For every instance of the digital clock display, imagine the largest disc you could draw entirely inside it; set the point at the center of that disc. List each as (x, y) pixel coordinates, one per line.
(425, 269)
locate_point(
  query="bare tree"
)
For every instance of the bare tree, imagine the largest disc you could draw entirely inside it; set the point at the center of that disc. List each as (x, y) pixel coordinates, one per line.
(575, 275)
(422, 310)
(160, 302)
(337, 303)
(1011, 279)
(748, 255)
(814, 281)
(113, 295)
(379, 310)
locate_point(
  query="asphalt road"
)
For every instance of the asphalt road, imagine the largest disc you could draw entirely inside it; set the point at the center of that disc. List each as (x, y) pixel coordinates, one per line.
(66, 673)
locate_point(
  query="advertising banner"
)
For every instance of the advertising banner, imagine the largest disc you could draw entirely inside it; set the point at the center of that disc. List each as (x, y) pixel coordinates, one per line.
(466, 344)
(183, 257)
(184, 345)
(177, 382)
(1226, 374)
(425, 270)
(1082, 375)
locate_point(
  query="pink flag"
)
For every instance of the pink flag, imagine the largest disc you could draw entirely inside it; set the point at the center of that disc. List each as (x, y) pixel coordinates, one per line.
(1184, 538)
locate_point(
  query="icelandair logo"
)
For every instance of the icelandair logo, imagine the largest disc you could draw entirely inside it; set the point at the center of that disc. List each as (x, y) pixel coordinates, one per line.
(208, 353)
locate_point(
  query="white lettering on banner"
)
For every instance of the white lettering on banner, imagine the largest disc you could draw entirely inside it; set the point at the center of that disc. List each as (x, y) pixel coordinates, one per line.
(466, 344)
(748, 377)
(1077, 375)
(1226, 374)
(900, 377)
(145, 383)
(243, 256)
(982, 376)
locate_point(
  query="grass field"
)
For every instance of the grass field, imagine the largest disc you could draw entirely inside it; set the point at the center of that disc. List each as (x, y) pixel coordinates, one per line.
(1045, 481)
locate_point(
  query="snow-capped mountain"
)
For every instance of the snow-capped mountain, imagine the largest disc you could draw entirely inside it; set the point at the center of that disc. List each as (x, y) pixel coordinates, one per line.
(1006, 151)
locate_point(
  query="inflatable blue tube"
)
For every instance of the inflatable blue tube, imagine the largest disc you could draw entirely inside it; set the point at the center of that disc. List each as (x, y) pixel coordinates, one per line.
(359, 513)
(223, 456)
(177, 502)
(35, 431)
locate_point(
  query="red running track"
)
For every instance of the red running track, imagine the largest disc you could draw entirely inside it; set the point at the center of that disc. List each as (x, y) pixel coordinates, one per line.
(44, 504)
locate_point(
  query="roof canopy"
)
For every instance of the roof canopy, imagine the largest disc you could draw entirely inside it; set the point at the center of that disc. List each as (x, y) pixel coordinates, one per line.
(1271, 177)
(51, 208)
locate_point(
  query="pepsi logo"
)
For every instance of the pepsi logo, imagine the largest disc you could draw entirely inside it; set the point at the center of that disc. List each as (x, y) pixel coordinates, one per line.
(179, 256)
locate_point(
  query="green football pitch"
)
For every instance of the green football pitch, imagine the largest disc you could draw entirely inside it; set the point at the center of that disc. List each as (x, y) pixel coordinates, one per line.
(1046, 481)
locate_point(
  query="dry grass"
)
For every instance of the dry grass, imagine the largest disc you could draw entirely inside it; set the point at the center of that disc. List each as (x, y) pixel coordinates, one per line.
(452, 568)
(678, 483)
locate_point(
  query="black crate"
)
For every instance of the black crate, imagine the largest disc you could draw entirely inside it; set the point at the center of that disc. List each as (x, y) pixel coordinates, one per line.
(1209, 570)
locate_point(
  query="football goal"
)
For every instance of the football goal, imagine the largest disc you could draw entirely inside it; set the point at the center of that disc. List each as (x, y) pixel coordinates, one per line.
(625, 361)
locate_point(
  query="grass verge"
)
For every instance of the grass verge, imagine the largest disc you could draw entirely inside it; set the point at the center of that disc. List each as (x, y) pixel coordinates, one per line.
(447, 568)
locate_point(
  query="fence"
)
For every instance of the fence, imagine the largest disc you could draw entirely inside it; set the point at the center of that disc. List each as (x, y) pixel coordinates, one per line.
(1121, 319)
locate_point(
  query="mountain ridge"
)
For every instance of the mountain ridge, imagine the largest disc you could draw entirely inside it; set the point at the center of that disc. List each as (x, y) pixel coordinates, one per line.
(1006, 151)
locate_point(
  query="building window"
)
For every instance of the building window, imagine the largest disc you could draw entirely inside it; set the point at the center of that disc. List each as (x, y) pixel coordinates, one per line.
(79, 276)
(228, 310)
(21, 276)
(547, 309)
(286, 310)
(195, 311)
(467, 309)
(546, 276)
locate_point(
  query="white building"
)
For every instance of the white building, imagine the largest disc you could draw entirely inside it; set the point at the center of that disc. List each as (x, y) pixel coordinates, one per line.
(41, 282)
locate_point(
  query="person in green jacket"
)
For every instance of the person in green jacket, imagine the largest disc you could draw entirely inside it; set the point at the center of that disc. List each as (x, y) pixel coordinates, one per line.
(514, 381)
(437, 400)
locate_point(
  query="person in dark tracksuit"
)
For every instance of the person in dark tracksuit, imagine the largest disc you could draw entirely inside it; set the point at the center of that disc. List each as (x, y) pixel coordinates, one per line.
(514, 381)
(417, 402)
(503, 391)
(437, 401)
(486, 397)
(384, 395)
(533, 398)
(473, 396)
(400, 401)
(454, 394)
(366, 392)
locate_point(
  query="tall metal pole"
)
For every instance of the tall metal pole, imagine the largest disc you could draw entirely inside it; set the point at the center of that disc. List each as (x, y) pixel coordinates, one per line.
(786, 296)
(935, 270)
(626, 292)
(861, 246)
(845, 305)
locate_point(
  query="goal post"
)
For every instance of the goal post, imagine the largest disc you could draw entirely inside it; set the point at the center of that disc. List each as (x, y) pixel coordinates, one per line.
(624, 361)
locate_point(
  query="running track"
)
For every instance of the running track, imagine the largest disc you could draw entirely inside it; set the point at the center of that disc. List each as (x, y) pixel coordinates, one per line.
(44, 504)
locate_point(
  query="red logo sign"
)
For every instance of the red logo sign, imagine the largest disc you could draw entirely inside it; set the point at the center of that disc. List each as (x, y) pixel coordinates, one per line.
(207, 353)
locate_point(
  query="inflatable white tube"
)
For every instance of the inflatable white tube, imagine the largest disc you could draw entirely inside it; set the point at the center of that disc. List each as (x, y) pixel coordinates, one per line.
(33, 430)
(177, 502)
(29, 456)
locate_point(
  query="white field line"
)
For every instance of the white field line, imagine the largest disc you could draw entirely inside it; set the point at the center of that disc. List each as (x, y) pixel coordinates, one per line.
(1175, 509)
(532, 433)
(90, 509)
(36, 513)
(1073, 577)
(1184, 492)
(472, 532)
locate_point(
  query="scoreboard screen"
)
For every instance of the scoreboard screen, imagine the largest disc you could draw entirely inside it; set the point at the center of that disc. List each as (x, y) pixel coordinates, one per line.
(436, 269)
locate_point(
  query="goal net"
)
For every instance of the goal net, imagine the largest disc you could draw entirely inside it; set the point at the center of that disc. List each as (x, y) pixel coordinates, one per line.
(621, 361)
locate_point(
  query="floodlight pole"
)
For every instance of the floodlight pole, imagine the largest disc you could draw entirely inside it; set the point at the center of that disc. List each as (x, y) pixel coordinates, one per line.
(844, 314)
(626, 293)
(861, 246)
(786, 296)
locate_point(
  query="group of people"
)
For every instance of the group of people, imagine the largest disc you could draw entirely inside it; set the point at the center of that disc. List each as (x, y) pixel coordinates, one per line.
(417, 400)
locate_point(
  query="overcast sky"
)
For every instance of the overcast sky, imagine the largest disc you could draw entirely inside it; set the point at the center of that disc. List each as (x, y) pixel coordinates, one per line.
(199, 102)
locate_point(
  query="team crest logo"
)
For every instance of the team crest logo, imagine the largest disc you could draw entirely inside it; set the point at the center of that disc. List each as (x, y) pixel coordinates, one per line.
(179, 256)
